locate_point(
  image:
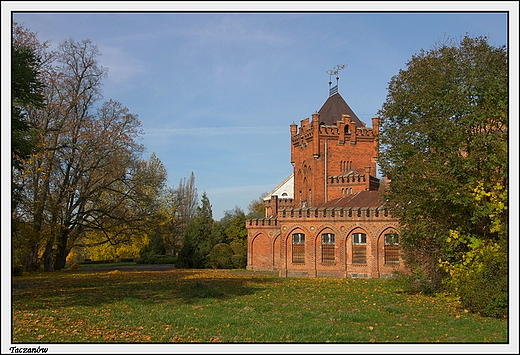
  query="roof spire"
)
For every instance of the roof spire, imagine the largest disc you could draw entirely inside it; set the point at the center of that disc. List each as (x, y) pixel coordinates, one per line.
(335, 71)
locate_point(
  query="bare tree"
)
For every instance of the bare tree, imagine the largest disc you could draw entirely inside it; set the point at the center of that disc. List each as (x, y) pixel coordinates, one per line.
(185, 201)
(88, 174)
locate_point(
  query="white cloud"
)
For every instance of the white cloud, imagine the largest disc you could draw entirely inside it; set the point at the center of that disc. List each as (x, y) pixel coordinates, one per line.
(121, 66)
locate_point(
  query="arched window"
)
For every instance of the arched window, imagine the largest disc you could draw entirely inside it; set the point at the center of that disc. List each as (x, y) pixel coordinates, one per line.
(328, 247)
(392, 248)
(359, 248)
(298, 248)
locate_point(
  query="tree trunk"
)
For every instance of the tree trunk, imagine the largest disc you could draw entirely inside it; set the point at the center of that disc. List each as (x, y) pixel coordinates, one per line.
(47, 255)
(31, 260)
(63, 250)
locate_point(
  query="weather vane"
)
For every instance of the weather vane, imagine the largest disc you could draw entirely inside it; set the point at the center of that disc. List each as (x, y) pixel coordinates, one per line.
(331, 72)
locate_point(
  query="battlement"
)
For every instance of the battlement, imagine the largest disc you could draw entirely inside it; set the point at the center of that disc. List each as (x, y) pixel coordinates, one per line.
(334, 213)
(343, 130)
(348, 179)
(322, 214)
(262, 222)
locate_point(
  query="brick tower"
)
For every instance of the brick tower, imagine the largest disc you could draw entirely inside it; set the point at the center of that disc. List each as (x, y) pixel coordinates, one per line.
(328, 218)
(333, 154)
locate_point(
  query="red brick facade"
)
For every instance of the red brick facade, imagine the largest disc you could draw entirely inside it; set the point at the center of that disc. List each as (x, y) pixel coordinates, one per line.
(335, 224)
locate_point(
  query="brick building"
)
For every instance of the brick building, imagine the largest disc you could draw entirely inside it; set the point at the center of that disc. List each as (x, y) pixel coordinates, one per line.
(328, 218)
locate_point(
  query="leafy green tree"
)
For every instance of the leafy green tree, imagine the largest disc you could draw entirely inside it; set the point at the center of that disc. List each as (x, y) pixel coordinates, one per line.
(234, 225)
(239, 258)
(26, 95)
(444, 132)
(202, 234)
(155, 245)
(29, 57)
(26, 92)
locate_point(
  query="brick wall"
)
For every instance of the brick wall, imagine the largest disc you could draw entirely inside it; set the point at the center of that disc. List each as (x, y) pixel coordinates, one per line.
(270, 245)
(316, 149)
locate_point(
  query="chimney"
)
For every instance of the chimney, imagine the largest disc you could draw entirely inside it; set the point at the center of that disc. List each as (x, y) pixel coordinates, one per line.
(375, 125)
(316, 134)
(367, 177)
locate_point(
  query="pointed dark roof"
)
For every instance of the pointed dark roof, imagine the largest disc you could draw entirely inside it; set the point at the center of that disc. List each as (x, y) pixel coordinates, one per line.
(332, 110)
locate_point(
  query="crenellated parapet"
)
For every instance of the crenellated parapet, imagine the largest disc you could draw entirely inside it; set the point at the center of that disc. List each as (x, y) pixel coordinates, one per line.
(333, 213)
(321, 214)
(343, 130)
(266, 223)
(347, 179)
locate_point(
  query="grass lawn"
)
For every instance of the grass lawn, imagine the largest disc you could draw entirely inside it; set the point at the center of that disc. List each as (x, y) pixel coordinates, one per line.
(233, 306)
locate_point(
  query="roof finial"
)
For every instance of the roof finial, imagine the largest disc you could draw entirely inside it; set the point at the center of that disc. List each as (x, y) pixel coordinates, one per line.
(335, 71)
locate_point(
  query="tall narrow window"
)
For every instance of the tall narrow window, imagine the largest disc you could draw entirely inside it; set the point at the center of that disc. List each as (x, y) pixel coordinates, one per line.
(298, 248)
(328, 244)
(359, 248)
(392, 249)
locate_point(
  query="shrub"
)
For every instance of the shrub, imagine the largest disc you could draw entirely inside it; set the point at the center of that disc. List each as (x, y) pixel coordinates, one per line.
(221, 256)
(238, 248)
(239, 259)
(480, 280)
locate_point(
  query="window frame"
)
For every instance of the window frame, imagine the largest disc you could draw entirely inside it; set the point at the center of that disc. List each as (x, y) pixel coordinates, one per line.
(298, 248)
(359, 248)
(391, 249)
(328, 248)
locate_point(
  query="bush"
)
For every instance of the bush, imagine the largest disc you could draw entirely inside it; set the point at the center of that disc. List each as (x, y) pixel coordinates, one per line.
(238, 248)
(239, 259)
(221, 256)
(484, 289)
(481, 279)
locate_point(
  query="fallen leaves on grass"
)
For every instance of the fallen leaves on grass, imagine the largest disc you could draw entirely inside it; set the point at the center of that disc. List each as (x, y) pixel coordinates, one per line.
(222, 306)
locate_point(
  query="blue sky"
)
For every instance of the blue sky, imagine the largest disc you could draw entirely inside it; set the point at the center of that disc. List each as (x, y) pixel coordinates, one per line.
(216, 92)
